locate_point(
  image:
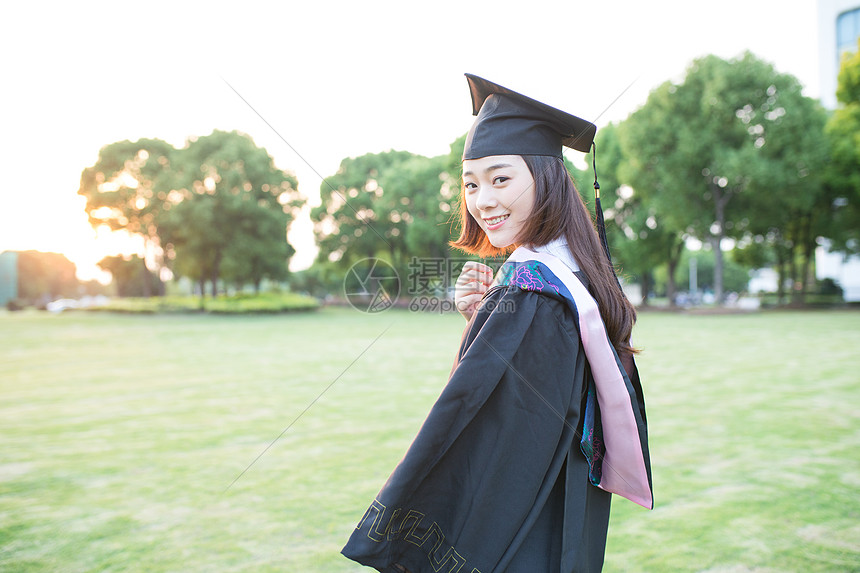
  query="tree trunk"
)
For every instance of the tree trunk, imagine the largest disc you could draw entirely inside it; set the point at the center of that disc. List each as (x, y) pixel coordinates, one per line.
(216, 273)
(393, 254)
(792, 273)
(674, 258)
(721, 198)
(780, 273)
(716, 244)
(147, 287)
(646, 287)
(671, 291)
(158, 258)
(807, 252)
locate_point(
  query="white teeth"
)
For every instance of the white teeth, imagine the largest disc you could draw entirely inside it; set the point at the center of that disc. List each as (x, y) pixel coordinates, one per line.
(496, 220)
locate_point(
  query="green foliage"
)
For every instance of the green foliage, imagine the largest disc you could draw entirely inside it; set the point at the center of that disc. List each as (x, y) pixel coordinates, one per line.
(217, 209)
(756, 254)
(453, 182)
(258, 249)
(812, 300)
(43, 277)
(829, 286)
(788, 202)
(321, 279)
(232, 223)
(430, 198)
(639, 240)
(131, 276)
(734, 149)
(848, 88)
(193, 244)
(95, 288)
(843, 130)
(264, 303)
(129, 185)
(454, 160)
(359, 217)
(735, 276)
(394, 205)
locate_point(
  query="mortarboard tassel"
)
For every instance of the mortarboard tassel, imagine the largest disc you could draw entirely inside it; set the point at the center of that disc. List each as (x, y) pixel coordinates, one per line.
(598, 211)
(598, 208)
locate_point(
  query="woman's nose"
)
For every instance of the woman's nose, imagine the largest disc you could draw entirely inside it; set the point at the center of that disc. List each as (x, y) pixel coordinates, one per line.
(486, 198)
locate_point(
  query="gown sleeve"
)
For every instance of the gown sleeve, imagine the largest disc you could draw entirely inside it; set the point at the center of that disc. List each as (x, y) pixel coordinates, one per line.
(472, 486)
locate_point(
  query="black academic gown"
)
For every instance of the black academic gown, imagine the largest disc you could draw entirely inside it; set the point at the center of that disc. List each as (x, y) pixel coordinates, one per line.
(495, 480)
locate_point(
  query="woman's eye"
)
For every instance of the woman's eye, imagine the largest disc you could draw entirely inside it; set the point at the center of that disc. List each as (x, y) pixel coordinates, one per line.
(500, 179)
(469, 185)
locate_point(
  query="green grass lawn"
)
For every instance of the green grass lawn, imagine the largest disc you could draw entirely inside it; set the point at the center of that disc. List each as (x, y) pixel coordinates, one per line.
(120, 434)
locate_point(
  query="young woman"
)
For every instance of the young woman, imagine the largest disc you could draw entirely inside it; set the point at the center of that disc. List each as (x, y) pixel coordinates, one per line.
(543, 414)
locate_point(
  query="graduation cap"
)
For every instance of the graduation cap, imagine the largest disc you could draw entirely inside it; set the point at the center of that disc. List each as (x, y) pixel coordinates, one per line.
(510, 123)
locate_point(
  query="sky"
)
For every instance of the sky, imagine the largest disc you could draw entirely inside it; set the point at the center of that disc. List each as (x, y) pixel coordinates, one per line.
(328, 80)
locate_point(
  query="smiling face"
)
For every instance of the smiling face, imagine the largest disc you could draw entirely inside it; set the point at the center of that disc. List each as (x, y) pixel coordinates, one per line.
(500, 194)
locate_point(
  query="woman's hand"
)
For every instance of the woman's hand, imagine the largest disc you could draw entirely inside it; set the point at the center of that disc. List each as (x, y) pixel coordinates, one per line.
(474, 280)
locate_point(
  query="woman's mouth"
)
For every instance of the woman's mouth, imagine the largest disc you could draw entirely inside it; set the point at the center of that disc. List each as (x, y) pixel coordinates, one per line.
(494, 223)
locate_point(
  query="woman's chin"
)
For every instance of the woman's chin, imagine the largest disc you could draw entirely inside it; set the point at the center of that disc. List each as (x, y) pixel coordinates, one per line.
(500, 243)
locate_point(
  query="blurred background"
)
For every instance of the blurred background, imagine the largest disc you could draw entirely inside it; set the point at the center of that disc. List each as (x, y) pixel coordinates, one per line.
(114, 115)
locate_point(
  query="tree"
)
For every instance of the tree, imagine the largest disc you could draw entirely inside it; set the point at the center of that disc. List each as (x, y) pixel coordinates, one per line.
(258, 250)
(131, 277)
(321, 279)
(454, 163)
(843, 180)
(647, 169)
(129, 186)
(394, 202)
(216, 209)
(735, 276)
(786, 202)
(359, 216)
(193, 244)
(233, 212)
(43, 277)
(395, 205)
(428, 195)
(695, 147)
(639, 241)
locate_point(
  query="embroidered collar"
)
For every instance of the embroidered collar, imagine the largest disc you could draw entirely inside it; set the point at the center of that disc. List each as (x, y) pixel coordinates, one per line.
(558, 249)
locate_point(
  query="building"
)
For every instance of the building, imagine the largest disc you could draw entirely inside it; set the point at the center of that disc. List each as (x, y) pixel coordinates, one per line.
(8, 277)
(838, 31)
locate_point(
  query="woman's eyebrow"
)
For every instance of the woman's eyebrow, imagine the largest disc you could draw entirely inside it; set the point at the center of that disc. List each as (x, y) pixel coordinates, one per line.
(489, 169)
